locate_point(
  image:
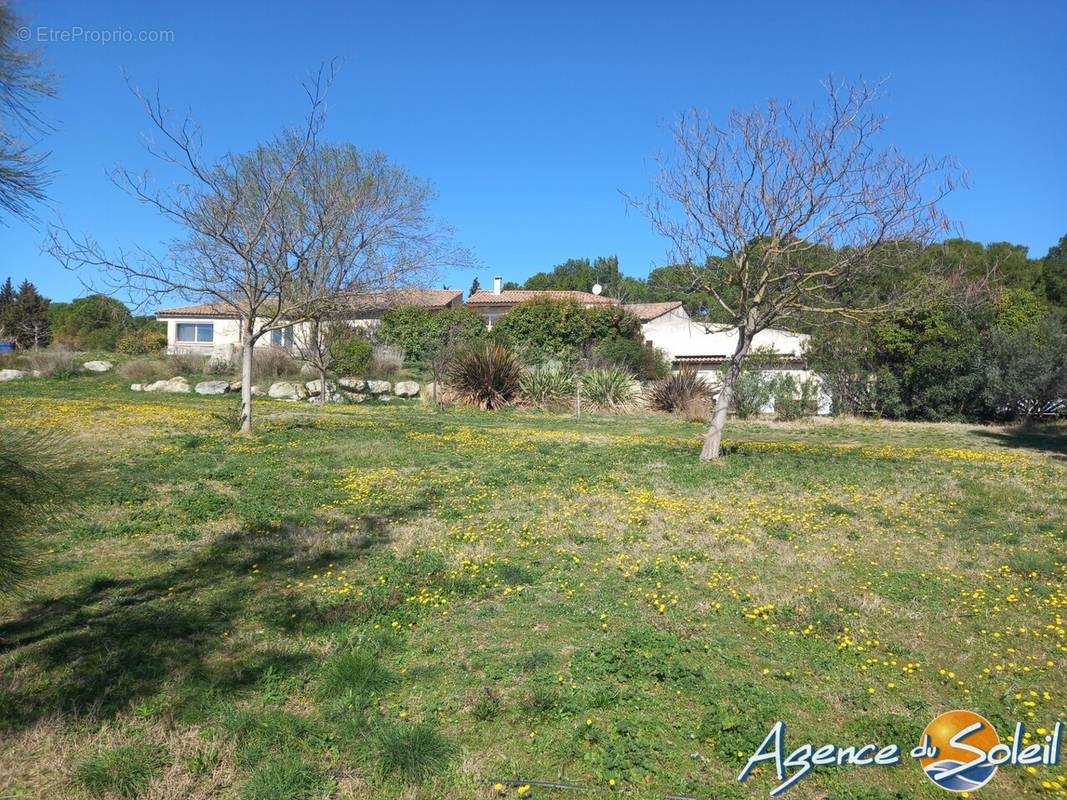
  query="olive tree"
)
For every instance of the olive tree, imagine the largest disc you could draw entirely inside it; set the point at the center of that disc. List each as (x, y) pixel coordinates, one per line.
(777, 213)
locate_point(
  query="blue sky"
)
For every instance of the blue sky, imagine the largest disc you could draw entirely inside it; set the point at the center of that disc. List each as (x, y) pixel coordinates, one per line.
(530, 119)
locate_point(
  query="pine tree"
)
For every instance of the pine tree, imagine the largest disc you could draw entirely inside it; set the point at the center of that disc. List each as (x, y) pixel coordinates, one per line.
(475, 286)
(29, 318)
(7, 302)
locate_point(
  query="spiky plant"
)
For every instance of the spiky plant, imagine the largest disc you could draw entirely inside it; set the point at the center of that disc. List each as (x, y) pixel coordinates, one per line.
(548, 385)
(610, 387)
(487, 374)
(678, 392)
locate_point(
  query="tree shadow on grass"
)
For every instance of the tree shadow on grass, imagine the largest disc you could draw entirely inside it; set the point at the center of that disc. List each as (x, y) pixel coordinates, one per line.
(1050, 439)
(114, 643)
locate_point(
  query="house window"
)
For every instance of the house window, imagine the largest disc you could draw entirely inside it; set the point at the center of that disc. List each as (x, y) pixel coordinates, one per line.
(195, 332)
(282, 337)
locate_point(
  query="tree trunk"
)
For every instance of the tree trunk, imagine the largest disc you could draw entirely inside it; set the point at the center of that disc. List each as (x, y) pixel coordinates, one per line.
(247, 345)
(322, 386)
(712, 450)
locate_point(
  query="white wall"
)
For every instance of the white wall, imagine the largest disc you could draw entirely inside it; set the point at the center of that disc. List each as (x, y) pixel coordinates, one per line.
(228, 334)
(677, 335)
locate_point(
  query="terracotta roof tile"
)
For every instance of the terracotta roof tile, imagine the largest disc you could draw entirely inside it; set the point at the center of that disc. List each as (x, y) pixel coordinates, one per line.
(374, 301)
(649, 311)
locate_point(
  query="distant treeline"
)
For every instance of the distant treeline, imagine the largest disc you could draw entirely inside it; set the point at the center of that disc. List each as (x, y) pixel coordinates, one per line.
(96, 322)
(965, 331)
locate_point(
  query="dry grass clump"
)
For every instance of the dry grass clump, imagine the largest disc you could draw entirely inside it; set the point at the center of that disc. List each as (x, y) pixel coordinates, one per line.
(145, 370)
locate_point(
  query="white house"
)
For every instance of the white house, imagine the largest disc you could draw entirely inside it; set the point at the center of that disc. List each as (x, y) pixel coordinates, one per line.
(706, 347)
(216, 327)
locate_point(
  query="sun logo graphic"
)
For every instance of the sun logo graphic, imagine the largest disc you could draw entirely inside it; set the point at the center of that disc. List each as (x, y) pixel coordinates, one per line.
(957, 751)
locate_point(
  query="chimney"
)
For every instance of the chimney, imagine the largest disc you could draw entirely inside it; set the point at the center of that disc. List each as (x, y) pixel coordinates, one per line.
(497, 284)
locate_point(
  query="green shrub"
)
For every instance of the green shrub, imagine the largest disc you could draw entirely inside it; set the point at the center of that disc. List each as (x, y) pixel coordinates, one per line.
(794, 399)
(142, 342)
(545, 329)
(610, 387)
(610, 322)
(678, 393)
(422, 333)
(752, 392)
(647, 363)
(548, 385)
(352, 355)
(125, 771)
(487, 375)
(414, 752)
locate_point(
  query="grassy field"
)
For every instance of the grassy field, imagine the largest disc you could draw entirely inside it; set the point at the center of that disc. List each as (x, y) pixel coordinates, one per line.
(390, 601)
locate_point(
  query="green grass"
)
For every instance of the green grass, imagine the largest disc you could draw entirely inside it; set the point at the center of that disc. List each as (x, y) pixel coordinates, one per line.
(414, 752)
(125, 771)
(394, 602)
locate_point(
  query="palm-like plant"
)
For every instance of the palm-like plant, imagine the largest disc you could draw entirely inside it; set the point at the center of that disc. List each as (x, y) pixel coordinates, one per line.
(486, 374)
(548, 385)
(610, 387)
(679, 392)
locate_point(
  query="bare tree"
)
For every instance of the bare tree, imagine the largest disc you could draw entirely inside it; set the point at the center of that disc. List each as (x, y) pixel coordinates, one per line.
(360, 231)
(287, 233)
(779, 212)
(22, 81)
(230, 251)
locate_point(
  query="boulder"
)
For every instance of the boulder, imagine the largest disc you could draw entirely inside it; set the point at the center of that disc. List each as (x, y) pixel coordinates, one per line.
(97, 366)
(235, 386)
(11, 374)
(287, 390)
(36, 373)
(257, 391)
(352, 384)
(379, 387)
(315, 388)
(136, 387)
(355, 397)
(212, 387)
(406, 389)
(178, 385)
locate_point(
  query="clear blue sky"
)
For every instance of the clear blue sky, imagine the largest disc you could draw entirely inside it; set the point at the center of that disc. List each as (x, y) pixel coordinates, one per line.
(530, 119)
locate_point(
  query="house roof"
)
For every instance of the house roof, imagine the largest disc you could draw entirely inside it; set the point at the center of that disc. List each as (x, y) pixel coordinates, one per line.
(217, 309)
(646, 312)
(372, 301)
(510, 297)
